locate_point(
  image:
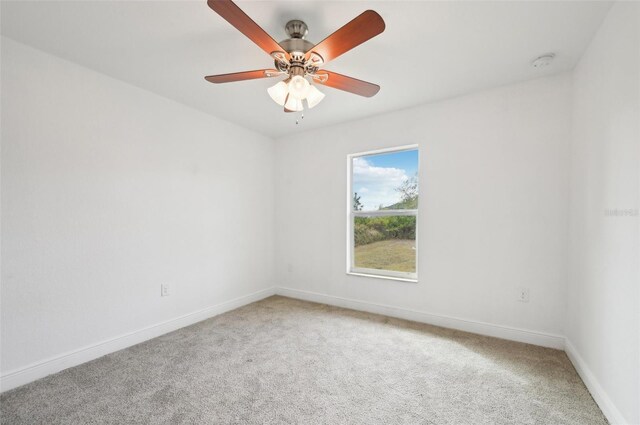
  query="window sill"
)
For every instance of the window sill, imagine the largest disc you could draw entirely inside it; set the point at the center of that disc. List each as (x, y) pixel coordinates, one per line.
(377, 276)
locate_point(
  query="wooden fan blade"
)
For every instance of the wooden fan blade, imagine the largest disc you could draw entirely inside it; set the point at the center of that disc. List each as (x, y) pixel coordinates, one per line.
(342, 82)
(240, 76)
(243, 23)
(365, 26)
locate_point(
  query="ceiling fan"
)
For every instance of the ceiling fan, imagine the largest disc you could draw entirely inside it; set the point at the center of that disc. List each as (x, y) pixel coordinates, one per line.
(299, 59)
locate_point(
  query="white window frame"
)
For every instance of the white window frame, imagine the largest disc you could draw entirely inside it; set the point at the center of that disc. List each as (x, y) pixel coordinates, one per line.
(351, 214)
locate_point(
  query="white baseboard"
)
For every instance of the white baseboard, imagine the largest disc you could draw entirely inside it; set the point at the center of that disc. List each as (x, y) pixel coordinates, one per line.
(41, 369)
(613, 415)
(488, 329)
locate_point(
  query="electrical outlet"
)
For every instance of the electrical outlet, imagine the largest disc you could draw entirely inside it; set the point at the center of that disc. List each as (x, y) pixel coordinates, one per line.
(164, 290)
(523, 295)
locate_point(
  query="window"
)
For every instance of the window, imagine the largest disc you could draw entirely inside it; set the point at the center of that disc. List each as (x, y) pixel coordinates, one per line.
(382, 213)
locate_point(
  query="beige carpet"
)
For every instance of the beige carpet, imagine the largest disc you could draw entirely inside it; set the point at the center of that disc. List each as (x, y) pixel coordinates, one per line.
(282, 361)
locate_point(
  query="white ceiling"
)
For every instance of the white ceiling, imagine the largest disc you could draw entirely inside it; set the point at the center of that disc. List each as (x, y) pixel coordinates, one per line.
(429, 50)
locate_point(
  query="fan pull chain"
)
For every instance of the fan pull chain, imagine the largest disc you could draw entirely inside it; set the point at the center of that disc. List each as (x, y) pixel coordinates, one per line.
(300, 119)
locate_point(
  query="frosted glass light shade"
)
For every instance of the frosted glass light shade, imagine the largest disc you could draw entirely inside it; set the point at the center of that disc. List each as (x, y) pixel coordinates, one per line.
(294, 104)
(299, 87)
(279, 92)
(314, 96)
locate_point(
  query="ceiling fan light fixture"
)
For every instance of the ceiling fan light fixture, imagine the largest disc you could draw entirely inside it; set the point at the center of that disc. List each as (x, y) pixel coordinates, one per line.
(279, 92)
(314, 96)
(299, 87)
(294, 104)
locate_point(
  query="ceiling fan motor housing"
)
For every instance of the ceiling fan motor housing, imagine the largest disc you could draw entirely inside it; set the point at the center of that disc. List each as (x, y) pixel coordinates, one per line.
(296, 46)
(297, 31)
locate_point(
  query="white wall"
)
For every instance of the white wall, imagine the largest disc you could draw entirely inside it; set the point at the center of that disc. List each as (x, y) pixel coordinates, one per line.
(603, 323)
(493, 206)
(109, 191)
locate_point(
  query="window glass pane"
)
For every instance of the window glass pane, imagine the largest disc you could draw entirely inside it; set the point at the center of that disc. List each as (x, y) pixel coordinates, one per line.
(385, 181)
(385, 243)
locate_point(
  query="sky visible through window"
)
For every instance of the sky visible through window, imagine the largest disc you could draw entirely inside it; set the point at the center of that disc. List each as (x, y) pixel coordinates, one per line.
(376, 177)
